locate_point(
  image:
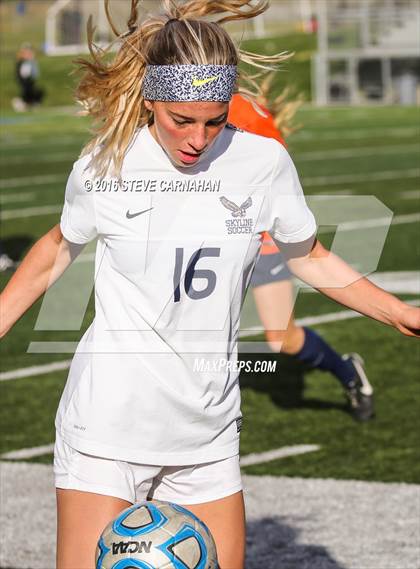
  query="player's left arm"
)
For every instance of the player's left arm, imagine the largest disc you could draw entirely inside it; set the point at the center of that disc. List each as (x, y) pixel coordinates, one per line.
(328, 273)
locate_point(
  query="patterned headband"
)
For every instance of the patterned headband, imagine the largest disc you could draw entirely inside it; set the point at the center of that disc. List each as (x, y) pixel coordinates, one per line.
(189, 82)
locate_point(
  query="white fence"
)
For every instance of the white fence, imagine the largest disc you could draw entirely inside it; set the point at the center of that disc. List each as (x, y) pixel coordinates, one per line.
(67, 20)
(368, 52)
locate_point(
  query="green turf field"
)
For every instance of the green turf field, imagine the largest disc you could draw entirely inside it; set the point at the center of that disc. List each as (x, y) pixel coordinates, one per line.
(289, 407)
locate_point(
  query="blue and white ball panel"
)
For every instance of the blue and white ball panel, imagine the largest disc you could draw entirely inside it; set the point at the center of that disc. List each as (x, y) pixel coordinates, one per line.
(156, 535)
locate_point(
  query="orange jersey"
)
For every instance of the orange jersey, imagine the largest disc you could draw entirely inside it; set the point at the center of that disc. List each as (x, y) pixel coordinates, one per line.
(243, 115)
(268, 246)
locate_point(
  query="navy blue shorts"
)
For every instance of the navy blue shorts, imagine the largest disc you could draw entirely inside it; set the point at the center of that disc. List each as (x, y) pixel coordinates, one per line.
(270, 268)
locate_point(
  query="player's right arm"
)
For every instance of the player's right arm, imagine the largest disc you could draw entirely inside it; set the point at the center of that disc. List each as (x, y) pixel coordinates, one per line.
(44, 263)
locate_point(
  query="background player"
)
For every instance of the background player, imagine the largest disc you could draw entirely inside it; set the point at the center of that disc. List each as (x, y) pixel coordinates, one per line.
(273, 289)
(27, 74)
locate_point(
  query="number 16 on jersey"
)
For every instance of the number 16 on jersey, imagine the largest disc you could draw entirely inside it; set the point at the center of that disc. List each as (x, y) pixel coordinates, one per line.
(192, 273)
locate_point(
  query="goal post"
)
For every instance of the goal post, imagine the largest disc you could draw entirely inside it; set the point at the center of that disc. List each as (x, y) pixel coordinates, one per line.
(66, 24)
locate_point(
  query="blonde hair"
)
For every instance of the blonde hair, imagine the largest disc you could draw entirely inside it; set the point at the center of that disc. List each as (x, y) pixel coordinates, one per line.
(110, 90)
(283, 107)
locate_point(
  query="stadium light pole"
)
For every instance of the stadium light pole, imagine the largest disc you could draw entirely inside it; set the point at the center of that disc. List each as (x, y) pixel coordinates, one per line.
(259, 26)
(320, 60)
(102, 23)
(365, 18)
(51, 39)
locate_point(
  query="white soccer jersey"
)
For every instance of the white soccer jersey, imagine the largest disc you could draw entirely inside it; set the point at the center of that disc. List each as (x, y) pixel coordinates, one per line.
(175, 251)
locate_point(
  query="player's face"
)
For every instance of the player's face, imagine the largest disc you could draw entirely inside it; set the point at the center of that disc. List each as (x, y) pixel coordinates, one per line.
(186, 131)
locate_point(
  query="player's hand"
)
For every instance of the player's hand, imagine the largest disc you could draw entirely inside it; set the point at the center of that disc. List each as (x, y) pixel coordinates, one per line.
(408, 321)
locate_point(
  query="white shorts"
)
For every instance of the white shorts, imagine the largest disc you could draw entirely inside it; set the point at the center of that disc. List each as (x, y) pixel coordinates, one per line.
(192, 484)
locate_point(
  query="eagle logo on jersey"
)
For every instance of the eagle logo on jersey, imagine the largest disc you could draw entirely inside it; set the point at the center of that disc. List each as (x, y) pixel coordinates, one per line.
(237, 210)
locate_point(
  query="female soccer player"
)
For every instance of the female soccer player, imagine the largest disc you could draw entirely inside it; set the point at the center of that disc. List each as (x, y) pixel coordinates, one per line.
(177, 200)
(273, 289)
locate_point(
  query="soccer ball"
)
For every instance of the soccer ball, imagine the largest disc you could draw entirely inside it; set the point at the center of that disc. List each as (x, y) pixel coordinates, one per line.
(156, 535)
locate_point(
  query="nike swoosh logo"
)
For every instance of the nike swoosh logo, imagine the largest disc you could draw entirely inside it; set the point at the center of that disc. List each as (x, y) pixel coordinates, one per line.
(201, 82)
(131, 215)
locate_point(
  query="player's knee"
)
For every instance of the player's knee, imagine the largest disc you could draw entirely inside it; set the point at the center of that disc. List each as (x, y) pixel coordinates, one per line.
(275, 339)
(293, 340)
(288, 341)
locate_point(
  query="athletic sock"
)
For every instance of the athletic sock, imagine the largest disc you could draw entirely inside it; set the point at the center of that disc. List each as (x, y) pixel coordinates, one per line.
(318, 354)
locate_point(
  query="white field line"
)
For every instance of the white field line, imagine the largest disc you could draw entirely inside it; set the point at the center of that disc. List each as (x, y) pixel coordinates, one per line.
(30, 211)
(34, 159)
(346, 192)
(410, 195)
(35, 141)
(34, 370)
(9, 183)
(45, 115)
(356, 134)
(284, 452)
(340, 316)
(25, 453)
(326, 197)
(370, 223)
(359, 178)
(14, 198)
(322, 319)
(308, 321)
(408, 218)
(355, 152)
(248, 460)
(396, 282)
(7, 142)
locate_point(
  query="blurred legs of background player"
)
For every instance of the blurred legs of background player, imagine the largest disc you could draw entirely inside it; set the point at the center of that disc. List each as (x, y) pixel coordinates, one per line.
(271, 279)
(273, 294)
(6, 262)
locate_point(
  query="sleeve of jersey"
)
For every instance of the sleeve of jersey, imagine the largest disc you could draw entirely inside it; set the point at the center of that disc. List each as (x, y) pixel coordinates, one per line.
(293, 226)
(78, 218)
